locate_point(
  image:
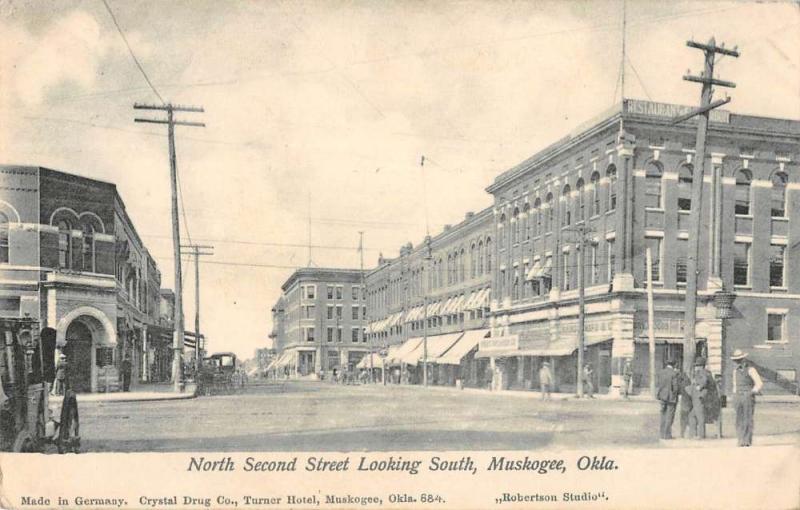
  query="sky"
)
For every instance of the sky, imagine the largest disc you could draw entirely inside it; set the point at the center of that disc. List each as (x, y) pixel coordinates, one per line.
(317, 114)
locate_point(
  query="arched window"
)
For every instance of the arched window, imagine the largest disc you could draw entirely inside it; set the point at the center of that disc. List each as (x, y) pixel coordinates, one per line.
(685, 188)
(537, 205)
(548, 202)
(611, 174)
(64, 244)
(653, 185)
(595, 194)
(461, 266)
(743, 180)
(489, 255)
(515, 226)
(779, 180)
(449, 269)
(88, 247)
(526, 221)
(501, 227)
(515, 287)
(473, 262)
(581, 204)
(3, 238)
(566, 210)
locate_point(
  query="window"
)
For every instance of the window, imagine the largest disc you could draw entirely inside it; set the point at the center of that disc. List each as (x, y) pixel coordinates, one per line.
(364, 335)
(653, 185)
(480, 257)
(338, 311)
(777, 254)
(330, 335)
(685, 188)
(308, 312)
(355, 294)
(501, 283)
(355, 313)
(775, 327)
(682, 252)
(595, 277)
(654, 243)
(330, 292)
(595, 194)
(88, 248)
(526, 221)
(515, 227)
(538, 207)
(611, 259)
(548, 202)
(565, 280)
(311, 291)
(309, 334)
(461, 266)
(566, 212)
(501, 234)
(489, 255)
(339, 292)
(779, 181)
(581, 205)
(515, 287)
(743, 181)
(330, 311)
(741, 263)
(611, 174)
(354, 335)
(339, 334)
(3, 239)
(64, 245)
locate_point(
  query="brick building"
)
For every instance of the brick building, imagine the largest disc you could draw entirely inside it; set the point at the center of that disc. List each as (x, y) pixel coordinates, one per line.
(71, 258)
(627, 177)
(454, 284)
(319, 322)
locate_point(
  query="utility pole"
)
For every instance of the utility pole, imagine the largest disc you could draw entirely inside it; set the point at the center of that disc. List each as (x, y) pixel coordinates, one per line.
(582, 231)
(364, 299)
(197, 250)
(706, 78)
(178, 333)
(425, 263)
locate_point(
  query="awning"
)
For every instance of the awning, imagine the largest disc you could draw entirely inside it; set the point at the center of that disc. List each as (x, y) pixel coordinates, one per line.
(561, 346)
(403, 354)
(287, 358)
(483, 299)
(437, 345)
(394, 319)
(469, 303)
(446, 307)
(433, 309)
(458, 305)
(377, 361)
(465, 344)
(535, 271)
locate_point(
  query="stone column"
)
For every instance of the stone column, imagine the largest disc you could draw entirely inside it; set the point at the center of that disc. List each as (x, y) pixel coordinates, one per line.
(622, 347)
(623, 274)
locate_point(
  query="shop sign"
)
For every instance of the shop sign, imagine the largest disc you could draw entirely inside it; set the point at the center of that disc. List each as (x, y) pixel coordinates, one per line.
(594, 326)
(666, 110)
(662, 327)
(499, 343)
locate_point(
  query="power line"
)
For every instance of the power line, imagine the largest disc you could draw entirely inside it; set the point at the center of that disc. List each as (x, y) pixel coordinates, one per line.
(639, 79)
(130, 50)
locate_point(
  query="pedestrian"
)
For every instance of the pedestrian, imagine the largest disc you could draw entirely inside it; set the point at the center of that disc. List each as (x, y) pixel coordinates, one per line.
(701, 394)
(627, 379)
(746, 384)
(667, 394)
(61, 375)
(588, 384)
(125, 369)
(545, 380)
(685, 406)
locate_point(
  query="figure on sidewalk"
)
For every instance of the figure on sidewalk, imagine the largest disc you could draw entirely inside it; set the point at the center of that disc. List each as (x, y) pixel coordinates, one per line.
(61, 375)
(125, 370)
(627, 379)
(588, 377)
(667, 394)
(545, 380)
(746, 385)
(685, 405)
(705, 400)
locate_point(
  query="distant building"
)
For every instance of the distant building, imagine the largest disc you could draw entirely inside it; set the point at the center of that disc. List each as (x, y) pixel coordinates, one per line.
(70, 257)
(319, 323)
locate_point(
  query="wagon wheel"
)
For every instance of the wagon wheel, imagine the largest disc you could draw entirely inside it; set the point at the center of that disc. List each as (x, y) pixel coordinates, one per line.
(69, 431)
(24, 442)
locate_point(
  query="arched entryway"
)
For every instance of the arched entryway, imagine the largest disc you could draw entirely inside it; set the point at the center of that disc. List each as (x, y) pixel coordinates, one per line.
(78, 350)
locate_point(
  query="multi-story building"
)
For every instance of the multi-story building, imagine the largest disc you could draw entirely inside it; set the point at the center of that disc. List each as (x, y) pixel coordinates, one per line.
(442, 283)
(319, 323)
(626, 179)
(71, 259)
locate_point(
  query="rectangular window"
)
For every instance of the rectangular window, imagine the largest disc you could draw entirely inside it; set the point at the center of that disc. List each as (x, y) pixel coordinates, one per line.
(330, 334)
(309, 312)
(653, 191)
(611, 258)
(354, 334)
(681, 252)
(654, 243)
(311, 291)
(355, 293)
(364, 312)
(364, 335)
(330, 292)
(741, 263)
(339, 334)
(310, 334)
(775, 327)
(776, 264)
(339, 311)
(595, 278)
(338, 292)
(565, 281)
(330, 311)
(64, 243)
(355, 313)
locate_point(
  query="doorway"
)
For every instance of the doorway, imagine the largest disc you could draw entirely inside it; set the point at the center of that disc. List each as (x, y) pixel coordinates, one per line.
(79, 356)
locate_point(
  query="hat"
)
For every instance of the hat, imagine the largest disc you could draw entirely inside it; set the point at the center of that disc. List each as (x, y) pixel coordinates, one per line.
(738, 354)
(699, 361)
(546, 364)
(62, 356)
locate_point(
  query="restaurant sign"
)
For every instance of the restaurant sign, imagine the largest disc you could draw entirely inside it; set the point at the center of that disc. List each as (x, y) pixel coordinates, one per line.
(667, 110)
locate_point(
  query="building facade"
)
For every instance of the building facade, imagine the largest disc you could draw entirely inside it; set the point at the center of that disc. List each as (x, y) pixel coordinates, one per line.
(319, 323)
(71, 258)
(438, 289)
(619, 186)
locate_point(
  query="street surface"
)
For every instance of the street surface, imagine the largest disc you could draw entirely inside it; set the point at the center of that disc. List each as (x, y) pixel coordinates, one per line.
(315, 416)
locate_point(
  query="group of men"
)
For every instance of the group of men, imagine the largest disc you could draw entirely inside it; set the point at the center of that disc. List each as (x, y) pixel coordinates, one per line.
(698, 399)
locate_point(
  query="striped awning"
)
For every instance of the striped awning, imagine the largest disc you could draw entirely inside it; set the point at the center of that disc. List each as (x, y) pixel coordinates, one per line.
(434, 308)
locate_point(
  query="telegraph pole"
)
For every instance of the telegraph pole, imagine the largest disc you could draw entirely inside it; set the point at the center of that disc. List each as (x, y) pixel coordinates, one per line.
(178, 333)
(582, 231)
(706, 78)
(364, 299)
(197, 250)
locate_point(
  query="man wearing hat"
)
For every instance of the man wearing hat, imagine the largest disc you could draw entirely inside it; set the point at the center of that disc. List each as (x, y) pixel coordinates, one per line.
(746, 384)
(700, 392)
(545, 380)
(667, 394)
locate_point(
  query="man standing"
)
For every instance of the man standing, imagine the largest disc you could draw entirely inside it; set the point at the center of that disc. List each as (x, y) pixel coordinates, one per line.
(700, 392)
(627, 378)
(545, 380)
(588, 381)
(125, 368)
(746, 384)
(685, 407)
(667, 394)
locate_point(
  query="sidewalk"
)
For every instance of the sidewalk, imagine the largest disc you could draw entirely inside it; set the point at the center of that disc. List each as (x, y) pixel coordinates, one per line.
(531, 394)
(140, 393)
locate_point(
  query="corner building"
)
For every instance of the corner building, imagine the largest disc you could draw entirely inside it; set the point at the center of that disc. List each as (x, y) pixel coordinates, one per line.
(627, 178)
